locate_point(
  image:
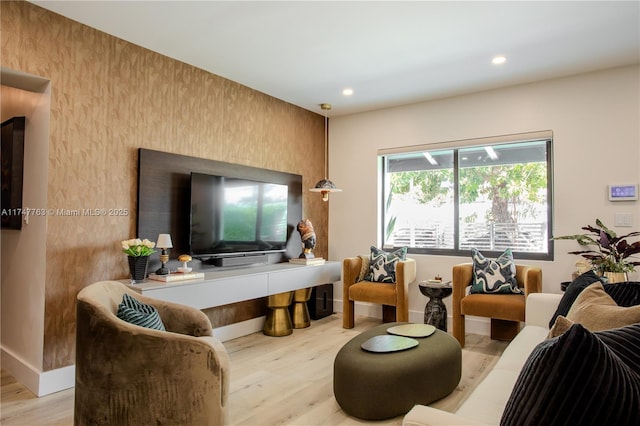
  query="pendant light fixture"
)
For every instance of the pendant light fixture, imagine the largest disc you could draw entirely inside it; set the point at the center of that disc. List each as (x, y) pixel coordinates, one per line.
(325, 186)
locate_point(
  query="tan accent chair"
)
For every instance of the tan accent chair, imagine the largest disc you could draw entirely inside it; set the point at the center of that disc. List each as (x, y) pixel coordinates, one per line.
(131, 375)
(505, 310)
(394, 297)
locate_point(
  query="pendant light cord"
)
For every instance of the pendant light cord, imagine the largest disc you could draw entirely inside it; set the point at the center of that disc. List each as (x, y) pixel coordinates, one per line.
(325, 108)
(326, 145)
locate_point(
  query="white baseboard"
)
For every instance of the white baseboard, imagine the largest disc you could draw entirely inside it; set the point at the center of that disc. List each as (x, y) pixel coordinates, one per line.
(474, 325)
(41, 383)
(239, 329)
(477, 325)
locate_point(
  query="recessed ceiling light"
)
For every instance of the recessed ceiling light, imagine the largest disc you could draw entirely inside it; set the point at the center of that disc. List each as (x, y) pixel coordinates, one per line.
(348, 91)
(498, 60)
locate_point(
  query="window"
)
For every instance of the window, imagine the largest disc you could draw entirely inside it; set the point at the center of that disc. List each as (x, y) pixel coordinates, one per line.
(491, 194)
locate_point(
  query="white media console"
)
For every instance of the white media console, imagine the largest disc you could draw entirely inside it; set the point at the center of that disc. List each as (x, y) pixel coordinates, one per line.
(227, 286)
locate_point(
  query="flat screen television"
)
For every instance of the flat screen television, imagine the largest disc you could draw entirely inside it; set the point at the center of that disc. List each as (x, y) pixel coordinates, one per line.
(236, 217)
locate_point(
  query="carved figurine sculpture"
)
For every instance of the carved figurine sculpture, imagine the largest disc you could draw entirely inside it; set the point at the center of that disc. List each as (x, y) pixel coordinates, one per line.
(308, 235)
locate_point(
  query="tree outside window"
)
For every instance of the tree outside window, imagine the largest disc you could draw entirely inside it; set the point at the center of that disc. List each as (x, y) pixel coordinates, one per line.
(488, 197)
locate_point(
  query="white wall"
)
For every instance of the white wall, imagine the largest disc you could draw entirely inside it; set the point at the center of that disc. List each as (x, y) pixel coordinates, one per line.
(595, 119)
(23, 252)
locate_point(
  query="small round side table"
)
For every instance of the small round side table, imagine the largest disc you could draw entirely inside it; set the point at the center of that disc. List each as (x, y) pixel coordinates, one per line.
(435, 312)
(278, 321)
(299, 310)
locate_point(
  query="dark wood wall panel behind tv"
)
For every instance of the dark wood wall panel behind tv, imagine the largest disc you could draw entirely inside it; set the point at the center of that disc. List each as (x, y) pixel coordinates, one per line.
(164, 196)
(12, 172)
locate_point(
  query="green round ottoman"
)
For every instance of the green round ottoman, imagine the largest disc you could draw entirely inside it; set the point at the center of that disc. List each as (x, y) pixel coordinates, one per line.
(374, 386)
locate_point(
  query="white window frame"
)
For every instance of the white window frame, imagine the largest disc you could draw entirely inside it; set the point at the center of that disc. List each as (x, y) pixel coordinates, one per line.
(546, 136)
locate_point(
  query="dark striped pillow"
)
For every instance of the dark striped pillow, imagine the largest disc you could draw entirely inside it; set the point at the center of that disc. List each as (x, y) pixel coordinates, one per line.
(135, 312)
(579, 378)
(624, 294)
(625, 342)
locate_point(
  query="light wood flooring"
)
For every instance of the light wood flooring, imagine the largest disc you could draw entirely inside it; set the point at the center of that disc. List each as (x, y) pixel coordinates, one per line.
(274, 380)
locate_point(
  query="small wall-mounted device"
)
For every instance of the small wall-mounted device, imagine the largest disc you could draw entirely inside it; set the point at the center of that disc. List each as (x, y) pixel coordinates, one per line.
(623, 192)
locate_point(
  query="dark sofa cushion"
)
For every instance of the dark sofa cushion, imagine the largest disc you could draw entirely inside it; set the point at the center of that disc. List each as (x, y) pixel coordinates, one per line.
(572, 292)
(579, 378)
(624, 294)
(624, 342)
(596, 311)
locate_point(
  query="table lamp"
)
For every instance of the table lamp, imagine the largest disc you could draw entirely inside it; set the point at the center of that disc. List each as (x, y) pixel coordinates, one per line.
(164, 243)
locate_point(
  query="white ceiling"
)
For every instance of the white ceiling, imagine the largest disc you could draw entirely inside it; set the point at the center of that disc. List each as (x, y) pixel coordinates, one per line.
(389, 52)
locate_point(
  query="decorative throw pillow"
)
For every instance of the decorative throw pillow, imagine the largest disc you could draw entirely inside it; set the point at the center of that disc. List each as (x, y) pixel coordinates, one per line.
(494, 276)
(135, 312)
(572, 292)
(624, 294)
(382, 265)
(579, 378)
(364, 269)
(597, 311)
(561, 325)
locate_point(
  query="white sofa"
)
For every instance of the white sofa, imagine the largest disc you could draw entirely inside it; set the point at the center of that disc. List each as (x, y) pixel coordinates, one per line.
(487, 401)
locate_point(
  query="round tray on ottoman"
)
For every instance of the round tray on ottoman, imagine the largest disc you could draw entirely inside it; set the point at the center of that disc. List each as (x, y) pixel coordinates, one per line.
(375, 386)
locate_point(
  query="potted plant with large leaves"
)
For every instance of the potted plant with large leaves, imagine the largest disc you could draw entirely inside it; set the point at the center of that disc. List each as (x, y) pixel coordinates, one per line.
(607, 252)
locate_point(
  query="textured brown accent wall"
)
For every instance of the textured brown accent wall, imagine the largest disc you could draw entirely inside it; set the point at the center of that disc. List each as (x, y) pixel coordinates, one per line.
(110, 97)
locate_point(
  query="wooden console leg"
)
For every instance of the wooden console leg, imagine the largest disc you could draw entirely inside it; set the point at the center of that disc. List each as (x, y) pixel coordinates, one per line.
(503, 329)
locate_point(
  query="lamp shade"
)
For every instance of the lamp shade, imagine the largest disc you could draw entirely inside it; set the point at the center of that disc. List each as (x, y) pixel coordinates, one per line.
(164, 241)
(325, 186)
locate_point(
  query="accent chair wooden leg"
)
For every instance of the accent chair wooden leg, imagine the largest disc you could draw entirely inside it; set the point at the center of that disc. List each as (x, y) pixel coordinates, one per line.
(503, 329)
(458, 330)
(402, 315)
(348, 314)
(388, 313)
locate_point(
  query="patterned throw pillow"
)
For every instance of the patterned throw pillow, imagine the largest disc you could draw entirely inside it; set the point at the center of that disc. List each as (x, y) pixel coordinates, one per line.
(382, 265)
(579, 378)
(494, 276)
(135, 312)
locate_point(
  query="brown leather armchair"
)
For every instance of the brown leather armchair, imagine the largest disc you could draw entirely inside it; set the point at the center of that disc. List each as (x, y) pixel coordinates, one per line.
(394, 297)
(132, 375)
(505, 310)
